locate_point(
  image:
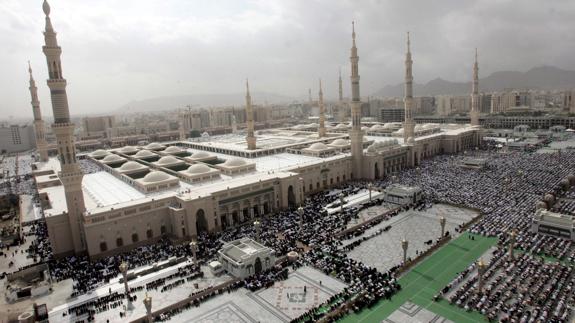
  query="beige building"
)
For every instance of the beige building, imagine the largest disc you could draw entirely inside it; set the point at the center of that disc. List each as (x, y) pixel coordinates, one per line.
(97, 126)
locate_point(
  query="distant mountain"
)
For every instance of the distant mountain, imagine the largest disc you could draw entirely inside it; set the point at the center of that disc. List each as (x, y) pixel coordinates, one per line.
(199, 100)
(543, 78)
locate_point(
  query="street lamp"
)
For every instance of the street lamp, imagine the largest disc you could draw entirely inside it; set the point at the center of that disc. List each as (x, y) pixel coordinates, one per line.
(194, 248)
(148, 305)
(370, 187)
(257, 224)
(301, 188)
(341, 201)
(300, 212)
(124, 270)
(442, 223)
(480, 272)
(512, 236)
(404, 246)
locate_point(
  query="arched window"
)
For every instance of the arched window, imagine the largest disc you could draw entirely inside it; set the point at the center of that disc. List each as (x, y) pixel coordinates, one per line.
(135, 237)
(119, 242)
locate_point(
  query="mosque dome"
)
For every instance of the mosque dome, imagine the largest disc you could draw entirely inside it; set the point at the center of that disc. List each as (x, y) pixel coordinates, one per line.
(318, 146)
(339, 142)
(130, 165)
(144, 154)
(128, 150)
(410, 140)
(99, 153)
(155, 176)
(155, 146)
(198, 169)
(168, 160)
(112, 158)
(400, 131)
(388, 125)
(376, 127)
(235, 162)
(200, 154)
(173, 150)
(341, 126)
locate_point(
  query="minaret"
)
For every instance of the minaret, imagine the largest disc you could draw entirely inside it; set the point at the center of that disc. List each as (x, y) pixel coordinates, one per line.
(340, 88)
(408, 124)
(355, 134)
(321, 129)
(41, 145)
(474, 114)
(71, 174)
(250, 138)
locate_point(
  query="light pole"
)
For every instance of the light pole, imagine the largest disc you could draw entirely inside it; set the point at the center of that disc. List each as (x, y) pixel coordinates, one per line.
(370, 187)
(480, 272)
(301, 188)
(124, 270)
(341, 201)
(404, 246)
(393, 179)
(148, 305)
(442, 223)
(257, 224)
(300, 212)
(194, 248)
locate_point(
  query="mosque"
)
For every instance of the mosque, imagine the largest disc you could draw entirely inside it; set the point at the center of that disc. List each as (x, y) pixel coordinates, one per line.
(183, 188)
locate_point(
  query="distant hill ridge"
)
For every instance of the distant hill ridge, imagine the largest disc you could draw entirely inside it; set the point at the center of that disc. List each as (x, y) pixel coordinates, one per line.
(543, 78)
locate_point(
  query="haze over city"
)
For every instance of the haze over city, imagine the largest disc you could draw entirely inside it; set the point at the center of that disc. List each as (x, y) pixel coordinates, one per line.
(120, 51)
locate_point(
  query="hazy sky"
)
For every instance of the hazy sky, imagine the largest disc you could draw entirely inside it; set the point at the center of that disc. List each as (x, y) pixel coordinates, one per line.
(118, 51)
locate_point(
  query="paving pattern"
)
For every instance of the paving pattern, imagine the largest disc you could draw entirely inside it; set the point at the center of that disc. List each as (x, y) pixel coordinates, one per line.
(384, 251)
(412, 313)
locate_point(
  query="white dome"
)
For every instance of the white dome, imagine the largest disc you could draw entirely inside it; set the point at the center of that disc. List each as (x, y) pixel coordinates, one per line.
(144, 154)
(341, 126)
(131, 165)
(155, 176)
(235, 162)
(400, 131)
(112, 158)
(200, 154)
(128, 149)
(168, 160)
(410, 140)
(198, 169)
(99, 153)
(318, 146)
(418, 128)
(376, 127)
(155, 146)
(364, 128)
(388, 125)
(339, 142)
(205, 134)
(173, 150)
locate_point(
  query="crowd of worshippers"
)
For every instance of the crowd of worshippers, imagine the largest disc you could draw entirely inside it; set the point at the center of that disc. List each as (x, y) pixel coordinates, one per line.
(525, 288)
(506, 196)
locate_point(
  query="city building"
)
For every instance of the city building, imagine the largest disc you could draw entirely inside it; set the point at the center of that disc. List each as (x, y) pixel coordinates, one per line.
(17, 138)
(245, 257)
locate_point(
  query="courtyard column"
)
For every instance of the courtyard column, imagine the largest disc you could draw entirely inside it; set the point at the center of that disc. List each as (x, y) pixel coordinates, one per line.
(194, 248)
(442, 223)
(512, 236)
(257, 224)
(148, 305)
(404, 246)
(480, 272)
(124, 270)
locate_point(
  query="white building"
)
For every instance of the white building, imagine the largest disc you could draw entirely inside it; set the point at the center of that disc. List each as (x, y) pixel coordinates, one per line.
(546, 222)
(401, 194)
(245, 257)
(15, 138)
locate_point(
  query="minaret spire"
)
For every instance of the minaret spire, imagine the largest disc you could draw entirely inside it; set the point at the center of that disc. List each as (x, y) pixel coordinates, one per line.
(340, 87)
(474, 114)
(250, 138)
(355, 134)
(409, 124)
(39, 131)
(321, 129)
(71, 174)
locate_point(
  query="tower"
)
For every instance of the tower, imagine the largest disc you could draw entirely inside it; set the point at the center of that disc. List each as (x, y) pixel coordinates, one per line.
(340, 88)
(70, 174)
(321, 129)
(41, 145)
(408, 124)
(355, 134)
(181, 125)
(250, 138)
(474, 114)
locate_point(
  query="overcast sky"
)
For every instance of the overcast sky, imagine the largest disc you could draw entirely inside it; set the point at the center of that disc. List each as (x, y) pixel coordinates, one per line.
(118, 51)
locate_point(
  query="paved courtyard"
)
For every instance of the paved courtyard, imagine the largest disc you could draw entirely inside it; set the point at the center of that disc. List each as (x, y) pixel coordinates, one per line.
(413, 313)
(283, 302)
(384, 251)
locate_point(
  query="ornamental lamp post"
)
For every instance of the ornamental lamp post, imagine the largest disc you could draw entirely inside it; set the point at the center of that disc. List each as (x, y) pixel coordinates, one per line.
(257, 224)
(300, 211)
(404, 246)
(148, 305)
(194, 248)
